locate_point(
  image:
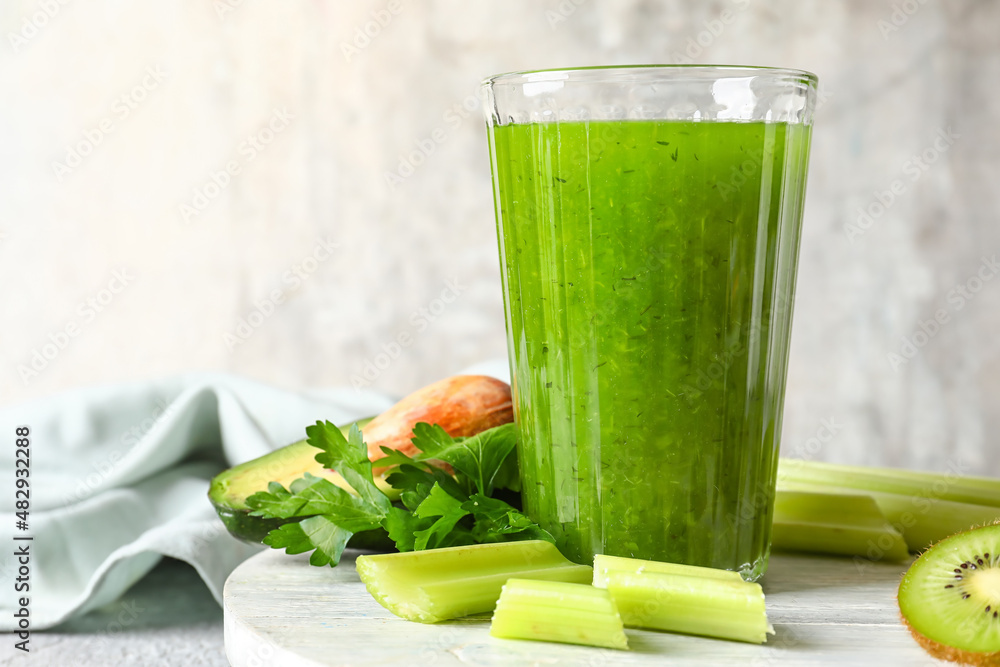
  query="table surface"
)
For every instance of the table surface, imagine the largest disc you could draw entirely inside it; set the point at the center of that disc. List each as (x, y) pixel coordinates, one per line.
(167, 619)
(280, 611)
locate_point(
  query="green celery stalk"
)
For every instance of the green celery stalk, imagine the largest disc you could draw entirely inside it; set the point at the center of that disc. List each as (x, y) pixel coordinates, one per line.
(926, 521)
(834, 523)
(438, 584)
(712, 607)
(558, 612)
(939, 486)
(921, 520)
(605, 564)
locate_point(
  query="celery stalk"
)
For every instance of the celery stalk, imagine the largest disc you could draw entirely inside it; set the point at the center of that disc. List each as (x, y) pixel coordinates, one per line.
(926, 521)
(605, 564)
(438, 584)
(712, 607)
(921, 520)
(842, 524)
(558, 612)
(939, 486)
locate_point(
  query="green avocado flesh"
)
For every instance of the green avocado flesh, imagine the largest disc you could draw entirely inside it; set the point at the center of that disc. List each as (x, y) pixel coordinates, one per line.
(231, 488)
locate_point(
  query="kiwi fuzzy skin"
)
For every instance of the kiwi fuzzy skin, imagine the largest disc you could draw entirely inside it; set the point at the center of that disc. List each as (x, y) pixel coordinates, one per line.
(943, 651)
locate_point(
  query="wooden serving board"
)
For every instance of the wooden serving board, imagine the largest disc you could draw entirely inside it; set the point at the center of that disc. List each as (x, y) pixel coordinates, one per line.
(282, 612)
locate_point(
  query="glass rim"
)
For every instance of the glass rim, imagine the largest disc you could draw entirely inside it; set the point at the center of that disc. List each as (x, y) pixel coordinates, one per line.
(701, 71)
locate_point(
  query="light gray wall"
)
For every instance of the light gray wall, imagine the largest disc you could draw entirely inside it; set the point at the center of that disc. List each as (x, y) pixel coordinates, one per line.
(892, 79)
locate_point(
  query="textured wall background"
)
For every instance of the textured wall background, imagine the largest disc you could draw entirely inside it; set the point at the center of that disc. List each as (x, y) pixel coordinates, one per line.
(116, 115)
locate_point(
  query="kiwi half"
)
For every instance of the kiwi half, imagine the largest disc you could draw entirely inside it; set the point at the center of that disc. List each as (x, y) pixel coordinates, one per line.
(950, 598)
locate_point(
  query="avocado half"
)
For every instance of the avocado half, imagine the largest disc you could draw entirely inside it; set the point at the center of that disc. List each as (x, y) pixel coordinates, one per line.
(230, 489)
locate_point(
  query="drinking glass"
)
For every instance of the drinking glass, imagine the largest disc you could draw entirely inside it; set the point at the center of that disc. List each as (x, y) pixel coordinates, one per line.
(648, 220)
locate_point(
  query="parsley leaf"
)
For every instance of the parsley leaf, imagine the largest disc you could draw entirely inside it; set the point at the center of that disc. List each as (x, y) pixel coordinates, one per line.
(318, 532)
(275, 503)
(449, 510)
(496, 521)
(349, 457)
(478, 458)
(310, 495)
(509, 474)
(415, 483)
(402, 527)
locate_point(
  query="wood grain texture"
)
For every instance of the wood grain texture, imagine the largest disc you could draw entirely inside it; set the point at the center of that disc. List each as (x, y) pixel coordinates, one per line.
(280, 611)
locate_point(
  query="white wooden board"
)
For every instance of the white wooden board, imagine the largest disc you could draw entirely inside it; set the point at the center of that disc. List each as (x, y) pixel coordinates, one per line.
(281, 612)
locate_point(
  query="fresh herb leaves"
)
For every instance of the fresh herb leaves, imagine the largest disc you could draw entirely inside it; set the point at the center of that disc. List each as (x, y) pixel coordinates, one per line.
(447, 510)
(478, 459)
(349, 457)
(435, 509)
(317, 532)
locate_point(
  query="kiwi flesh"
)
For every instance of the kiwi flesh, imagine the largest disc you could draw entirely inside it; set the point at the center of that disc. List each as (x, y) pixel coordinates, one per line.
(949, 599)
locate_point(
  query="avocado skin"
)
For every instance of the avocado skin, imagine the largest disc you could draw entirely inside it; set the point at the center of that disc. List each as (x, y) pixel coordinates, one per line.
(229, 490)
(245, 527)
(253, 529)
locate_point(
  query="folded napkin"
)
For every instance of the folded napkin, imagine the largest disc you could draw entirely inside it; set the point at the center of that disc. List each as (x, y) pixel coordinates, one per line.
(120, 475)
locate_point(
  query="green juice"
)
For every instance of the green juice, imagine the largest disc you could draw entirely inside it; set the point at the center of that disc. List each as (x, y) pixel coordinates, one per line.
(649, 269)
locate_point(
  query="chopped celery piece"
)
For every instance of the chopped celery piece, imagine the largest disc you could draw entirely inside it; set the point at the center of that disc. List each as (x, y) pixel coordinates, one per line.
(928, 485)
(558, 612)
(604, 564)
(712, 607)
(849, 525)
(922, 520)
(438, 584)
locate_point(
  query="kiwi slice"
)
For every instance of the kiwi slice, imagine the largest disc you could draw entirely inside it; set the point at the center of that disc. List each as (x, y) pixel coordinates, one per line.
(950, 598)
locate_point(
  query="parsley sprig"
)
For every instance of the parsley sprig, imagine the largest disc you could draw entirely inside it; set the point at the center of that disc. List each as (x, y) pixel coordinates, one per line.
(435, 508)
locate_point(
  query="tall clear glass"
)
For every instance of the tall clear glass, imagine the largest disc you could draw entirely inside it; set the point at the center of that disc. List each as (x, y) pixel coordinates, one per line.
(648, 220)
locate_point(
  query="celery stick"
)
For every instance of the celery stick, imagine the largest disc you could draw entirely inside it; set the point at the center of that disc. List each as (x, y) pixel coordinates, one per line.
(922, 520)
(438, 584)
(604, 564)
(712, 607)
(558, 612)
(926, 521)
(942, 486)
(844, 524)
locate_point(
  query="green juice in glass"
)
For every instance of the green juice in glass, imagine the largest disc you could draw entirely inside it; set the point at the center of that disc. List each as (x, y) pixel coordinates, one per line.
(649, 268)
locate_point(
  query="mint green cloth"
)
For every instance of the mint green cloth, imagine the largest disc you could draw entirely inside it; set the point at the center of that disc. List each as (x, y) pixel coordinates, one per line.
(119, 477)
